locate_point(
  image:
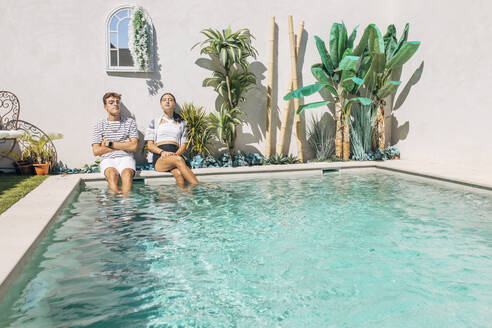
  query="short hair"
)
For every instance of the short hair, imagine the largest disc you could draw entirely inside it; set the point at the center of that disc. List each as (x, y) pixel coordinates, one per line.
(110, 94)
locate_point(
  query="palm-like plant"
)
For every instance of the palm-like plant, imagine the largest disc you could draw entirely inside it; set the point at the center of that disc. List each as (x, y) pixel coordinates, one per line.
(383, 55)
(232, 51)
(338, 74)
(36, 148)
(197, 128)
(224, 123)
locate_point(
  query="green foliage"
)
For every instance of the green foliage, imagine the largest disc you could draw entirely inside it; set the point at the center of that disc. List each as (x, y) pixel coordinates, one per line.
(228, 47)
(36, 147)
(385, 55)
(140, 39)
(280, 159)
(14, 187)
(321, 140)
(240, 83)
(224, 124)
(232, 51)
(338, 72)
(197, 128)
(361, 131)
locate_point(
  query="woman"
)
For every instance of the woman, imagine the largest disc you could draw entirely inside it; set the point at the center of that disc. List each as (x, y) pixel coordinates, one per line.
(166, 139)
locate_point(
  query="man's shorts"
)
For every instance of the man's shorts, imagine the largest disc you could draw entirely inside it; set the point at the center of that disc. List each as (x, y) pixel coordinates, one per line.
(119, 163)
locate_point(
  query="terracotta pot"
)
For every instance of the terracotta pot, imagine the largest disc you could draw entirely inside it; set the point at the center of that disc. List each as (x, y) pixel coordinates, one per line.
(42, 169)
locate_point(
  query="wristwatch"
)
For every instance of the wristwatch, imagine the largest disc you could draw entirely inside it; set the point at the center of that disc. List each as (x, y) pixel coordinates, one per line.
(110, 144)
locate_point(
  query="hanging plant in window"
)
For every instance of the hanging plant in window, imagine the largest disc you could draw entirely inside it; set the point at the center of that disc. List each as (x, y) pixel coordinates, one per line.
(140, 37)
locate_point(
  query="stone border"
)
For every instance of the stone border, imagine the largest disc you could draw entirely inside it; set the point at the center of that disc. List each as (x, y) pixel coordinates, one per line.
(21, 231)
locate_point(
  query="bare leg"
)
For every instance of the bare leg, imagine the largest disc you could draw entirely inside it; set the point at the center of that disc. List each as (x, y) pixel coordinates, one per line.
(112, 176)
(180, 182)
(170, 162)
(127, 180)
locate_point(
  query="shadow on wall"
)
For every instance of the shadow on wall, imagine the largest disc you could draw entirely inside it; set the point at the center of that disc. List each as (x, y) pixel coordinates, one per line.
(140, 157)
(153, 79)
(254, 108)
(400, 132)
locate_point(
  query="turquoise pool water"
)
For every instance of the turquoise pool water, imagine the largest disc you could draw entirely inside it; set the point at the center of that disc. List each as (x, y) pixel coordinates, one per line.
(355, 249)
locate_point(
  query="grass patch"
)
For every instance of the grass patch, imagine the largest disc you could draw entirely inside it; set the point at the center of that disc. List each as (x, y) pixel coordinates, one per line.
(14, 187)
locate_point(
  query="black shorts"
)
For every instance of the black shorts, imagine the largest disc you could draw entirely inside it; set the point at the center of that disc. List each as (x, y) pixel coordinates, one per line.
(166, 147)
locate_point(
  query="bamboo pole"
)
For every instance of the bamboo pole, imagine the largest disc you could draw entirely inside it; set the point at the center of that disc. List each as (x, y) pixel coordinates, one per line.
(286, 112)
(300, 153)
(268, 129)
(338, 131)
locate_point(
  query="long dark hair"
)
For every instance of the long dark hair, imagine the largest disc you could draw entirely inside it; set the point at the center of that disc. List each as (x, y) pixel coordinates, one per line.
(176, 116)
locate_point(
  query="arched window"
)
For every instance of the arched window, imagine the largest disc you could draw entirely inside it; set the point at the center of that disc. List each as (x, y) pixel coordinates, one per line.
(120, 45)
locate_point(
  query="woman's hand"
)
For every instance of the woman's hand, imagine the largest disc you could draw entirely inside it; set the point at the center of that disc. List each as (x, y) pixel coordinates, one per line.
(167, 153)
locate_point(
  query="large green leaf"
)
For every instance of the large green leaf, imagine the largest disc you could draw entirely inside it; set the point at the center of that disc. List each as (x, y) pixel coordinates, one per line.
(321, 75)
(403, 38)
(356, 80)
(378, 61)
(334, 35)
(348, 63)
(312, 105)
(375, 43)
(351, 39)
(359, 50)
(390, 41)
(363, 100)
(223, 57)
(404, 54)
(342, 41)
(347, 82)
(325, 57)
(347, 52)
(388, 89)
(304, 92)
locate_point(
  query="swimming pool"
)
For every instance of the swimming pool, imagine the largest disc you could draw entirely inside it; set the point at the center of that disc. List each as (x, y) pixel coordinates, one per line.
(342, 250)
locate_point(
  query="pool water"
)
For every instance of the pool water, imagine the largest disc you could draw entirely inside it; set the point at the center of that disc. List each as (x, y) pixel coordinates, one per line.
(350, 249)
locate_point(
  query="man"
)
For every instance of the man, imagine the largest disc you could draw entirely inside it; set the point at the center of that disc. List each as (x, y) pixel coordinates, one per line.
(114, 140)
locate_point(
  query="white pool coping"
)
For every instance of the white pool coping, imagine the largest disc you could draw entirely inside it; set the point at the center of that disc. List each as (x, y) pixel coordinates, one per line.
(24, 224)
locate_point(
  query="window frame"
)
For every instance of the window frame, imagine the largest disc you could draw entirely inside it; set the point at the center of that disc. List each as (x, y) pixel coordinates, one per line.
(131, 69)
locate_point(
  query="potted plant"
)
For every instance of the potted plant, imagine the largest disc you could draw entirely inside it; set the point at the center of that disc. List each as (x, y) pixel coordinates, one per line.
(23, 162)
(38, 151)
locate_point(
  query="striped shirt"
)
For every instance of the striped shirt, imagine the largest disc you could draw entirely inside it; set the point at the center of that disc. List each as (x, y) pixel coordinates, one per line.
(115, 131)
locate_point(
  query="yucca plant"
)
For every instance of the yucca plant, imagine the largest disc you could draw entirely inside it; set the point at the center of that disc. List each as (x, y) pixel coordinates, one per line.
(384, 55)
(231, 50)
(276, 159)
(361, 131)
(321, 140)
(339, 74)
(198, 129)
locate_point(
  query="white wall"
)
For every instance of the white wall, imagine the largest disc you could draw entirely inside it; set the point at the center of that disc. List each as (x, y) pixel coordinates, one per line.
(53, 58)
(448, 111)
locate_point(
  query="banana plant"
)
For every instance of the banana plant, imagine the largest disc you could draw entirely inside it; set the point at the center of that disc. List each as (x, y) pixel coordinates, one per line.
(339, 74)
(232, 51)
(385, 54)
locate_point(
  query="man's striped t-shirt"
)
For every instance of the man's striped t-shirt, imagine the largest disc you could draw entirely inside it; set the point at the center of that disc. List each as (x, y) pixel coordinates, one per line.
(115, 131)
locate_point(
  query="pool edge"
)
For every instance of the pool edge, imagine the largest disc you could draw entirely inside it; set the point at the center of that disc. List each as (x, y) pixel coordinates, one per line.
(21, 231)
